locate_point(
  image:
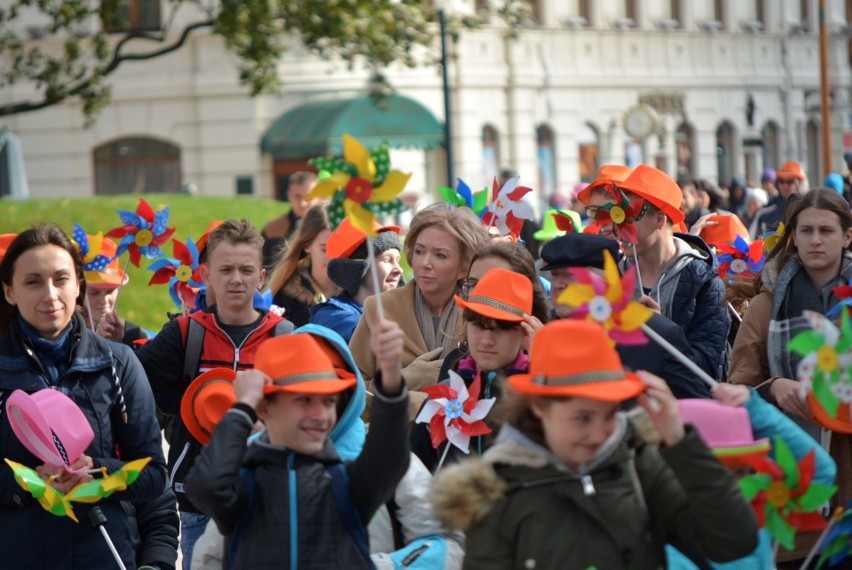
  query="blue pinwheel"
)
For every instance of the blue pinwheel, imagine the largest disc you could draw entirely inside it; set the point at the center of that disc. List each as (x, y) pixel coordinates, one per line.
(837, 544)
(739, 259)
(142, 232)
(181, 272)
(90, 249)
(463, 196)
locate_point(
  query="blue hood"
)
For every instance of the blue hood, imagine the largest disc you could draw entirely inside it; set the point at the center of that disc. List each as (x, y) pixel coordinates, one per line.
(350, 432)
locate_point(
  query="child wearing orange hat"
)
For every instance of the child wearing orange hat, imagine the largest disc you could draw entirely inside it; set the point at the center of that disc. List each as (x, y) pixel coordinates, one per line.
(569, 484)
(494, 337)
(286, 498)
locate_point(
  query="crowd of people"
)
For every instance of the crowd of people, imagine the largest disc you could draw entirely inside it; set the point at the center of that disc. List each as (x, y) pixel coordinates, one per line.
(296, 432)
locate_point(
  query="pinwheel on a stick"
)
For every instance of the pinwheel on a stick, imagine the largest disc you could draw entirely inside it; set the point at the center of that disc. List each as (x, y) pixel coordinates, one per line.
(507, 210)
(182, 273)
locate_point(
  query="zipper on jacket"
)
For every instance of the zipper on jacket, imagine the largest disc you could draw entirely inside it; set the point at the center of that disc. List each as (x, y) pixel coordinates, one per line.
(237, 348)
(294, 512)
(588, 486)
(178, 487)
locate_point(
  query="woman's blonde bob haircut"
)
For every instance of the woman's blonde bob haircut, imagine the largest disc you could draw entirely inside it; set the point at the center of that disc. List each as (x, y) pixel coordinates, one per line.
(461, 223)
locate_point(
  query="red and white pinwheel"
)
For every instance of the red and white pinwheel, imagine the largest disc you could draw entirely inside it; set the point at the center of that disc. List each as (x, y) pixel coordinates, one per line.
(507, 210)
(454, 413)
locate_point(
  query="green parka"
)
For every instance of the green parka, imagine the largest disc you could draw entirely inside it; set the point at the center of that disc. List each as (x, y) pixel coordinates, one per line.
(521, 509)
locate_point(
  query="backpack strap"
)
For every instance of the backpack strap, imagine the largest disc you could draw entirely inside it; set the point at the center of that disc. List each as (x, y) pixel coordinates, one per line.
(193, 345)
(250, 484)
(283, 327)
(396, 525)
(340, 489)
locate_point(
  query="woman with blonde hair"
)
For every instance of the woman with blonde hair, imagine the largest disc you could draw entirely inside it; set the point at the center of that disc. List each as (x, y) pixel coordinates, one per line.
(300, 280)
(439, 246)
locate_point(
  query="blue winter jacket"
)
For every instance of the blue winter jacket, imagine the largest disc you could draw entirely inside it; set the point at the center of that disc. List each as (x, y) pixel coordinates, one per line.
(767, 421)
(340, 313)
(31, 537)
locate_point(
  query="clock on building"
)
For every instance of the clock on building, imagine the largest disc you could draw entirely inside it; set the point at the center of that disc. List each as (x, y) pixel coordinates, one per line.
(640, 121)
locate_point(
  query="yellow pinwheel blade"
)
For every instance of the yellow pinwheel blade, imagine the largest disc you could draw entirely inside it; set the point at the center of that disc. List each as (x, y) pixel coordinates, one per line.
(634, 315)
(95, 243)
(576, 295)
(393, 185)
(613, 279)
(326, 187)
(359, 216)
(355, 153)
(49, 498)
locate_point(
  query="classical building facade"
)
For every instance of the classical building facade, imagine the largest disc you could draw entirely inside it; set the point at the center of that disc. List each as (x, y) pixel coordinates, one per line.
(704, 88)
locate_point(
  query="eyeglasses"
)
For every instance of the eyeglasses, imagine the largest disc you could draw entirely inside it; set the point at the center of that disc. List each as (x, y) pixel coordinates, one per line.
(467, 286)
(592, 211)
(785, 180)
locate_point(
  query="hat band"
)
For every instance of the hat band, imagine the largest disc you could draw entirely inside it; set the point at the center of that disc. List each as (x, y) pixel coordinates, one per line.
(575, 379)
(304, 377)
(496, 304)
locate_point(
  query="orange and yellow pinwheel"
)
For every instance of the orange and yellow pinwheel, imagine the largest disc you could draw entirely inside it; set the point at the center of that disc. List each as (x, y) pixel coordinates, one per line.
(360, 185)
(59, 504)
(607, 300)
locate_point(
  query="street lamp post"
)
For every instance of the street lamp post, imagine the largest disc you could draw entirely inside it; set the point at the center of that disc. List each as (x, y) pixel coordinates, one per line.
(448, 114)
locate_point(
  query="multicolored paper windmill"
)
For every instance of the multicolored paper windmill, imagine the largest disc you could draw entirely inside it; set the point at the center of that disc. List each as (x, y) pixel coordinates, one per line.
(182, 273)
(771, 237)
(824, 370)
(783, 494)
(454, 413)
(463, 196)
(621, 214)
(564, 223)
(837, 544)
(59, 504)
(608, 302)
(739, 259)
(844, 293)
(360, 186)
(507, 210)
(90, 250)
(143, 232)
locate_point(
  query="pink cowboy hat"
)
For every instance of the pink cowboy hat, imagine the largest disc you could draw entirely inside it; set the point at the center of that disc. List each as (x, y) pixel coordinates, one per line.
(50, 425)
(725, 430)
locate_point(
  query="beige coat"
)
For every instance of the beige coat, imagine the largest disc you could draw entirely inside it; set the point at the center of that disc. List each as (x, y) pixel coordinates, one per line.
(420, 368)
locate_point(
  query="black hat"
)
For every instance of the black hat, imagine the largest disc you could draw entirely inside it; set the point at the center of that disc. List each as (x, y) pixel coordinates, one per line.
(348, 272)
(578, 250)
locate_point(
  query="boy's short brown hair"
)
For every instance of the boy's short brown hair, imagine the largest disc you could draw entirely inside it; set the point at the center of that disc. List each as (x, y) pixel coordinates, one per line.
(235, 232)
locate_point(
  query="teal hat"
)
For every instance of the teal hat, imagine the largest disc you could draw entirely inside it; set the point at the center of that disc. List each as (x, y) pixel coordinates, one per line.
(550, 230)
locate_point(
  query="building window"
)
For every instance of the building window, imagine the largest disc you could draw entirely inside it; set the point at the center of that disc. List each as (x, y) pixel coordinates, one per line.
(805, 15)
(546, 151)
(491, 152)
(685, 144)
(132, 16)
(725, 152)
(814, 142)
(771, 139)
(719, 11)
(584, 10)
(631, 11)
(588, 143)
(676, 11)
(760, 14)
(137, 165)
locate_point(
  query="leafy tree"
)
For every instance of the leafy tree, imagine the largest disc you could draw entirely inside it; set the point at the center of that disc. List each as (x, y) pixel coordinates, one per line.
(86, 40)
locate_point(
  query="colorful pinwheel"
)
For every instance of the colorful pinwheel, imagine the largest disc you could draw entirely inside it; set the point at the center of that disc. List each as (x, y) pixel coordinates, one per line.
(143, 232)
(771, 237)
(739, 259)
(59, 504)
(621, 214)
(507, 210)
(824, 370)
(90, 250)
(783, 494)
(463, 196)
(844, 293)
(454, 413)
(182, 273)
(564, 223)
(607, 301)
(837, 544)
(360, 185)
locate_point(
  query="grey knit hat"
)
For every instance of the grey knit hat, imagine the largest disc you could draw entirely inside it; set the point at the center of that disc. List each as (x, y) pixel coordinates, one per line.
(349, 272)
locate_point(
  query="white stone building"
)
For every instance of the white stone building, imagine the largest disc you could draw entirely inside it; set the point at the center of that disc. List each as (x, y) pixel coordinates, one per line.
(734, 85)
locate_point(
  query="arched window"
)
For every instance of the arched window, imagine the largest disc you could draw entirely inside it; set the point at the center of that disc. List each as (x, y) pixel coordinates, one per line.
(770, 136)
(814, 144)
(491, 152)
(545, 142)
(725, 152)
(137, 165)
(588, 142)
(685, 144)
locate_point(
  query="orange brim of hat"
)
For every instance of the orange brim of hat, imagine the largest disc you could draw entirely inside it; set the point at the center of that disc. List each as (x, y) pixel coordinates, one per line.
(190, 420)
(323, 386)
(609, 391)
(736, 457)
(490, 311)
(100, 280)
(842, 423)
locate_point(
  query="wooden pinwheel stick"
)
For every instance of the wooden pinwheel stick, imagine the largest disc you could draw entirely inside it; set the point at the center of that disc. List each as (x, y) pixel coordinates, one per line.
(667, 346)
(371, 255)
(838, 512)
(98, 520)
(91, 315)
(734, 312)
(443, 456)
(121, 285)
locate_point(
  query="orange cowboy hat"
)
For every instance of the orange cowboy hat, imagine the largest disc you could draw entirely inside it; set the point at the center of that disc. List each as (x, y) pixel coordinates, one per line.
(842, 423)
(344, 240)
(111, 275)
(725, 232)
(206, 401)
(5, 241)
(790, 169)
(608, 174)
(658, 188)
(575, 358)
(201, 244)
(298, 364)
(501, 294)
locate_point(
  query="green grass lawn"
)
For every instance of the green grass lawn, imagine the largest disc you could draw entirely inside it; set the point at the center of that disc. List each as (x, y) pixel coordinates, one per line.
(189, 215)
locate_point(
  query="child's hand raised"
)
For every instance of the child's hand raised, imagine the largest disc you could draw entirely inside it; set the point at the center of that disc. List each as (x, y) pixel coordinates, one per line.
(733, 395)
(248, 386)
(661, 406)
(386, 340)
